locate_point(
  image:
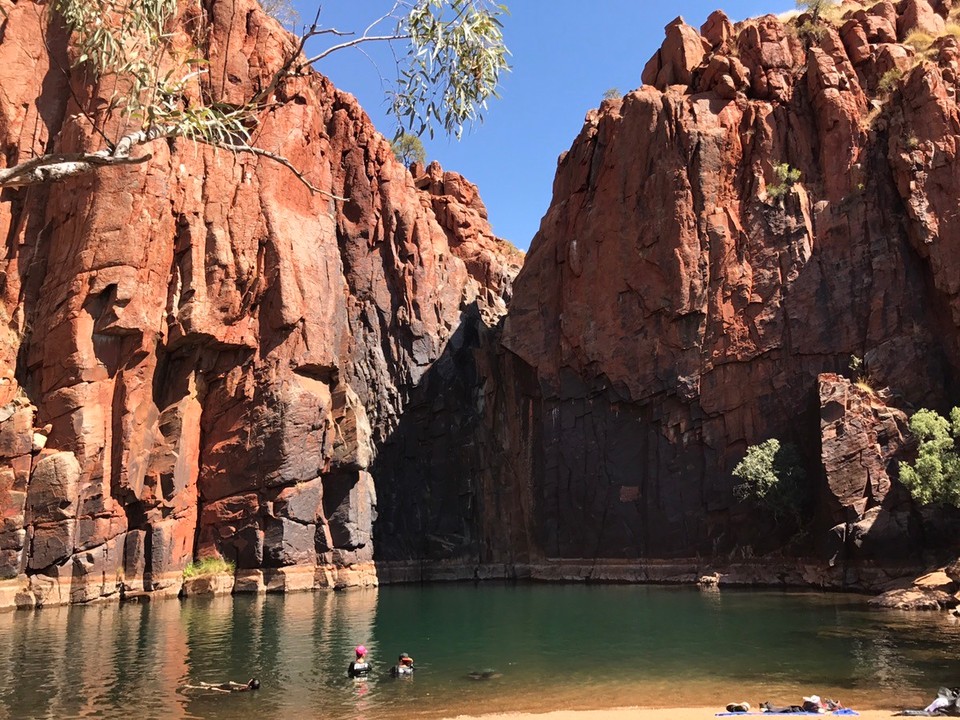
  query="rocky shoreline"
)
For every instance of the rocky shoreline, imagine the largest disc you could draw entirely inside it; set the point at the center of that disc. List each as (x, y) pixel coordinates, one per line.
(892, 585)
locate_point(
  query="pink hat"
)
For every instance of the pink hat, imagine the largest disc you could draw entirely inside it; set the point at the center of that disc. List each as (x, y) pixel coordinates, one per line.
(361, 651)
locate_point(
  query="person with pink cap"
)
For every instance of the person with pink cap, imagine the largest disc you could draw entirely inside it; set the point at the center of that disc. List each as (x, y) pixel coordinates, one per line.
(359, 668)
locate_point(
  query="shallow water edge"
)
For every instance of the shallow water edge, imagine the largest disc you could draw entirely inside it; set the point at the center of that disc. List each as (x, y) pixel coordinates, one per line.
(50, 590)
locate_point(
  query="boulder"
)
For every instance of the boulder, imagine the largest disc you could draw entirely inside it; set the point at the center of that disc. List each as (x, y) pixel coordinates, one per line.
(919, 16)
(213, 584)
(54, 488)
(717, 30)
(673, 64)
(914, 599)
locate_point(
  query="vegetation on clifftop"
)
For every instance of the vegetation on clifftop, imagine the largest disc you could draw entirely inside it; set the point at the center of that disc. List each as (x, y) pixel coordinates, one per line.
(408, 149)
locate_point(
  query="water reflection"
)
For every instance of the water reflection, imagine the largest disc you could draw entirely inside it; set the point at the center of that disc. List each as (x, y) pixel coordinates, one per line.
(75, 662)
(549, 645)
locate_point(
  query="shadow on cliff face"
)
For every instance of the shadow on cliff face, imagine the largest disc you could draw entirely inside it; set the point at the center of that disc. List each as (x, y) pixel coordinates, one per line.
(490, 463)
(427, 469)
(442, 488)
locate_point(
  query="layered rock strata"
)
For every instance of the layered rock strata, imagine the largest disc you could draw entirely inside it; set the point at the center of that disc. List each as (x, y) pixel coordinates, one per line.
(200, 356)
(772, 201)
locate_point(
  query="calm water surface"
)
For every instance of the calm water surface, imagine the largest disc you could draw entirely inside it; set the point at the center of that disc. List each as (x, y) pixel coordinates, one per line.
(554, 646)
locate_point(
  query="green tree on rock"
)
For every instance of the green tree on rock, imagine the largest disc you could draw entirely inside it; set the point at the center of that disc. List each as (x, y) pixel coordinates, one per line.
(814, 7)
(935, 476)
(408, 149)
(772, 477)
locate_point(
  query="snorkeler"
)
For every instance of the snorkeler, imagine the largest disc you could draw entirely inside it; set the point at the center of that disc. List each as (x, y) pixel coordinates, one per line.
(228, 687)
(359, 667)
(403, 667)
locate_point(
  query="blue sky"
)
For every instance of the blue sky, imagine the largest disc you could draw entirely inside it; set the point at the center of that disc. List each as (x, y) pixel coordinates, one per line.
(565, 54)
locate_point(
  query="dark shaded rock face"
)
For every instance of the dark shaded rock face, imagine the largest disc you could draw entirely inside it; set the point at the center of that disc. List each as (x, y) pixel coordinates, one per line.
(680, 300)
(197, 355)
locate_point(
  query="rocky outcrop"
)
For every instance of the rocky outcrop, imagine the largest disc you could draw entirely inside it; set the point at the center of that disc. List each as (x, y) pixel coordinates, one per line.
(215, 352)
(686, 297)
(933, 591)
(860, 437)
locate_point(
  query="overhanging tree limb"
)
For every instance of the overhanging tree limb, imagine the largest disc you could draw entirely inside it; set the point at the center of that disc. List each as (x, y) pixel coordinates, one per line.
(456, 55)
(351, 43)
(56, 167)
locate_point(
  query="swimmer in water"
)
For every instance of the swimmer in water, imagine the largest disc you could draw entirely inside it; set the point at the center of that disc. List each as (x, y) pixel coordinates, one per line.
(226, 687)
(404, 666)
(485, 674)
(359, 668)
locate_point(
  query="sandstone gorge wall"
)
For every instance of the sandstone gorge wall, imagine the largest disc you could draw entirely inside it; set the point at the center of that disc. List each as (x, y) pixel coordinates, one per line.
(199, 356)
(680, 302)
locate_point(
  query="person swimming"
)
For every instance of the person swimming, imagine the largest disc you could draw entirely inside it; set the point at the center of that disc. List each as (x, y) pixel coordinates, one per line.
(484, 674)
(360, 667)
(229, 686)
(404, 666)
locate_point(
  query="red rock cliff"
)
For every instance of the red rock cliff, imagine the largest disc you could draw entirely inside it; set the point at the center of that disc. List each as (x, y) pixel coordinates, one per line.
(681, 299)
(199, 356)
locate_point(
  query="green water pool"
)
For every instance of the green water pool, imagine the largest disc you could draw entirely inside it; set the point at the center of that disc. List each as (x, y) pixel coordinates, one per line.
(551, 647)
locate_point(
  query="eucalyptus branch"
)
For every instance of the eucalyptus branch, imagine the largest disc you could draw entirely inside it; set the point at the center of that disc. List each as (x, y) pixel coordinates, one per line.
(389, 13)
(350, 43)
(315, 31)
(455, 57)
(365, 37)
(331, 31)
(55, 167)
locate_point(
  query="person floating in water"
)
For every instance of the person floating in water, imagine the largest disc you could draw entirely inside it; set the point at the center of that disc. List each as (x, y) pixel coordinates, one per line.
(229, 686)
(485, 674)
(403, 667)
(360, 667)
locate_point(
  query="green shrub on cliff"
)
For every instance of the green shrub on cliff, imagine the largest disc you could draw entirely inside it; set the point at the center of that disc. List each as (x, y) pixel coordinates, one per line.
(935, 476)
(788, 177)
(811, 32)
(208, 566)
(890, 80)
(819, 9)
(408, 149)
(773, 477)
